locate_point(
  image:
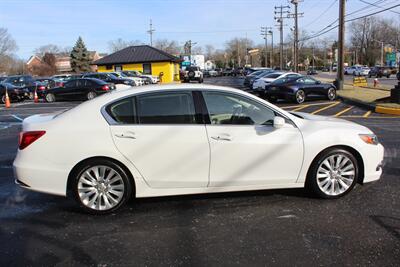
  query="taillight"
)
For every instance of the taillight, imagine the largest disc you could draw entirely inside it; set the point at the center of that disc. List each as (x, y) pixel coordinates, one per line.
(27, 138)
(42, 87)
(105, 88)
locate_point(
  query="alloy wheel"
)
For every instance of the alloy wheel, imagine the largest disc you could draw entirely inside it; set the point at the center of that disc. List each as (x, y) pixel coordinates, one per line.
(331, 94)
(100, 188)
(91, 95)
(50, 98)
(300, 96)
(335, 174)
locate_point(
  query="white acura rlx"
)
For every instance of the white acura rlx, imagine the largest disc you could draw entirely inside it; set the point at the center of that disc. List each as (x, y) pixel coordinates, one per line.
(189, 139)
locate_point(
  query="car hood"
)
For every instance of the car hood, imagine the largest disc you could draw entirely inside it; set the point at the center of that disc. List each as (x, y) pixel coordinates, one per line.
(325, 121)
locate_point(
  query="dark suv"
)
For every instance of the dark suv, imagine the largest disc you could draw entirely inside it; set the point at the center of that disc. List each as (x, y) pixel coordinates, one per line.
(380, 72)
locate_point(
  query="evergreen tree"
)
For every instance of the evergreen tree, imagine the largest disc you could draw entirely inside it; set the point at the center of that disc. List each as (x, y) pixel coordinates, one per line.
(80, 58)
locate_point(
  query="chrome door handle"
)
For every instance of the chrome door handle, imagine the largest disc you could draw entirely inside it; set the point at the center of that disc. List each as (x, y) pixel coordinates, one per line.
(222, 138)
(125, 135)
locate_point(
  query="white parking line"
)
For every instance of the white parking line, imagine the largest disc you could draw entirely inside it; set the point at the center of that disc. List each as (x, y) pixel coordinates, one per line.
(17, 117)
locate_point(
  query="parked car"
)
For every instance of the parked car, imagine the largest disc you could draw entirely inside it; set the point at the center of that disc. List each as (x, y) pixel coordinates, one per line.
(350, 70)
(48, 82)
(297, 89)
(122, 152)
(78, 89)
(15, 94)
(147, 79)
(263, 81)
(135, 73)
(250, 78)
(213, 73)
(379, 72)
(227, 72)
(312, 71)
(109, 78)
(28, 83)
(192, 73)
(138, 81)
(361, 71)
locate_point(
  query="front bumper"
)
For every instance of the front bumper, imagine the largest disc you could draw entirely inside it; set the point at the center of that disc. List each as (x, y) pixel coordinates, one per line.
(373, 162)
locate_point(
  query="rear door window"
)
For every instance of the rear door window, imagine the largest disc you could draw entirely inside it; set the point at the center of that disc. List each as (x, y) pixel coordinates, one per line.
(166, 108)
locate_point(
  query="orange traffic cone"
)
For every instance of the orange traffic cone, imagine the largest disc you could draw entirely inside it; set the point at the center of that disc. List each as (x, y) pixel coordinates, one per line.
(36, 98)
(8, 103)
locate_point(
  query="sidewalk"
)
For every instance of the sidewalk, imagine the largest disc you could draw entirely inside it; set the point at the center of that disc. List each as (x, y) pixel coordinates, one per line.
(368, 97)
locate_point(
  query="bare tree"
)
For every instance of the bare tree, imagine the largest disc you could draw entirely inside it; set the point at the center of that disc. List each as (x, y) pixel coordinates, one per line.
(236, 50)
(7, 43)
(49, 48)
(171, 47)
(118, 44)
(209, 51)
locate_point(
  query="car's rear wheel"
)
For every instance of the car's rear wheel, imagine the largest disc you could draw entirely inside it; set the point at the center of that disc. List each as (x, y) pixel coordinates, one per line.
(201, 80)
(388, 76)
(331, 94)
(300, 96)
(101, 186)
(333, 174)
(91, 95)
(50, 98)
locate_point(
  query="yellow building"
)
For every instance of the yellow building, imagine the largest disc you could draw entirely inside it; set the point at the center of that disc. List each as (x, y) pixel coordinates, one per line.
(143, 58)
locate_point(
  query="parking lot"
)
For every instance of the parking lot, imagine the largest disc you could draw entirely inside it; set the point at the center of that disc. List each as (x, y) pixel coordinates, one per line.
(274, 227)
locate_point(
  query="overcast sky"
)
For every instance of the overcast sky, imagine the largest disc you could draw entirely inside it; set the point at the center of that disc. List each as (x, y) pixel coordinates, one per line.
(33, 23)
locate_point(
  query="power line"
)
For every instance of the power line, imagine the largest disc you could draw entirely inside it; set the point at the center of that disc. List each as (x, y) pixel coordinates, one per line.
(323, 13)
(375, 5)
(348, 20)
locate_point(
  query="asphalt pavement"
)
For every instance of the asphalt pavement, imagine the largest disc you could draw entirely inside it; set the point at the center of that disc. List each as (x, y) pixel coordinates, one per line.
(260, 228)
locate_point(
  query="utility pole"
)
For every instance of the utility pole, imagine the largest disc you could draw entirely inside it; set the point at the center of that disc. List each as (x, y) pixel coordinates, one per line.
(295, 16)
(264, 33)
(272, 47)
(279, 11)
(381, 54)
(150, 32)
(340, 72)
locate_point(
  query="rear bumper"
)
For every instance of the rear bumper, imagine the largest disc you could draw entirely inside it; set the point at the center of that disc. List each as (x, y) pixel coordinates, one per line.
(51, 180)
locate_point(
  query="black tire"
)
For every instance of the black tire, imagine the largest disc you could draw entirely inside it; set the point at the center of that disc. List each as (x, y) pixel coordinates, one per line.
(191, 74)
(388, 76)
(331, 94)
(90, 95)
(201, 80)
(127, 183)
(300, 96)
(312, 183)
(50, 98)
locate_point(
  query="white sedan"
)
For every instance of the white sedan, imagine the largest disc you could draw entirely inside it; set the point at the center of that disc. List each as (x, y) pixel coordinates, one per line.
(189, 139)
(273, 76)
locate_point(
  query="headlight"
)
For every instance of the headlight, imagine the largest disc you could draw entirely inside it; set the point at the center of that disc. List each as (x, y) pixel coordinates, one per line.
(371, 139)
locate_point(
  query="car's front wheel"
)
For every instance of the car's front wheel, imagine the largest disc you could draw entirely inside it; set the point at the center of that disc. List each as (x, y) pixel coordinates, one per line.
(331, 94)
(101, 186)
(333, 174)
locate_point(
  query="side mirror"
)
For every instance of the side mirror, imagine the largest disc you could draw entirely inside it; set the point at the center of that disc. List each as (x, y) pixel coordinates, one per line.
(279, 122)
(318, 82)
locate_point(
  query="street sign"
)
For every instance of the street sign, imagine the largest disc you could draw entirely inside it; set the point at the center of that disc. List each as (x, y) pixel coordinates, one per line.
(360, 81)
(186, 63)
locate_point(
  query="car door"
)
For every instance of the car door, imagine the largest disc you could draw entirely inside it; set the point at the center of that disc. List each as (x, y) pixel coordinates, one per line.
(65, 92)
(245, 147)
(312, 86)
(162, 136)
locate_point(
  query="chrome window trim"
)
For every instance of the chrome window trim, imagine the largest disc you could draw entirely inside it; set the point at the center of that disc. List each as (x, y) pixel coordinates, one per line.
(111, 121)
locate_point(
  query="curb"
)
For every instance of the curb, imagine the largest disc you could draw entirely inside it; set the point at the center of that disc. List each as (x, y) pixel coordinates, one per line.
(370, 106)
(358, 103)
(386, 110)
